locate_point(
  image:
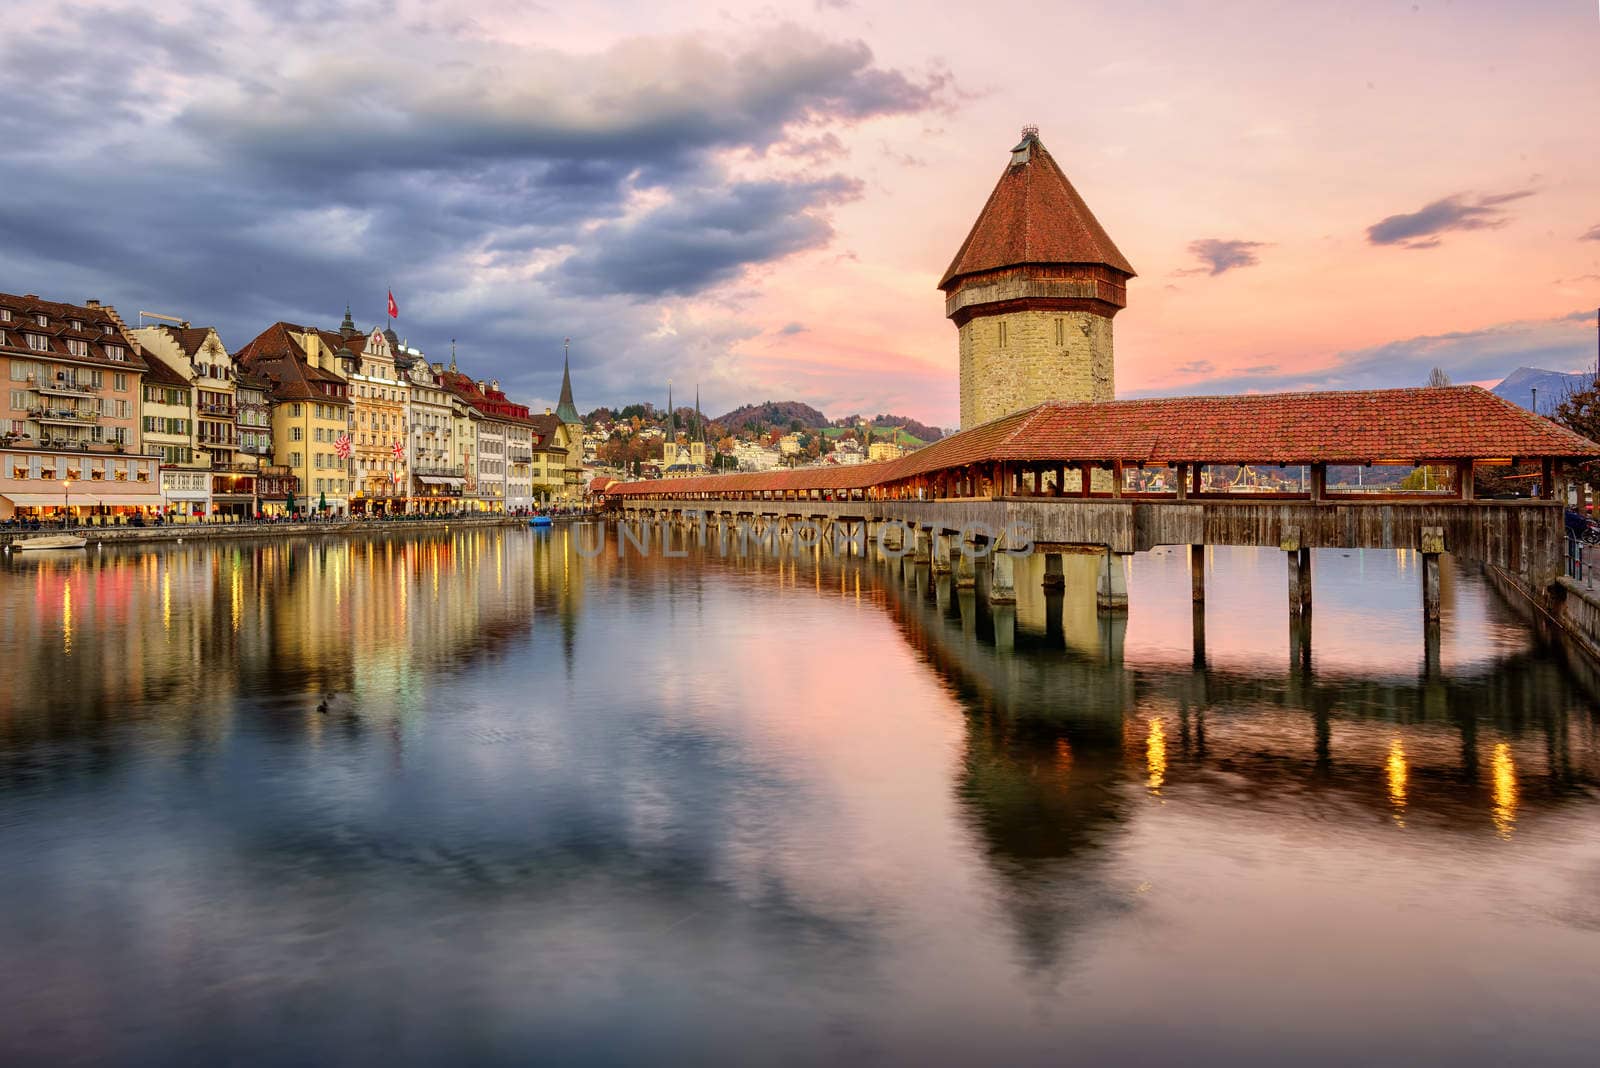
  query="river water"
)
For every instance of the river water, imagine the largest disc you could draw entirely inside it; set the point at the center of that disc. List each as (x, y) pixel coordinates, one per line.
(795, 810)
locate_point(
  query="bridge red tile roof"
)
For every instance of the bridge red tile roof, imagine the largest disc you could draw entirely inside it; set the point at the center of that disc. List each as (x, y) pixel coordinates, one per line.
(1355, 427)
(1034, 215)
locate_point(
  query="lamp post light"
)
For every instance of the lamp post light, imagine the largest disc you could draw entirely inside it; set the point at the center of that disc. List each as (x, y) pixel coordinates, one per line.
(66, 511)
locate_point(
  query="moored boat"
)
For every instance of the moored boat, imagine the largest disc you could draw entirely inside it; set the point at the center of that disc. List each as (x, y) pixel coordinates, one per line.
(539, 521)
(51, 541)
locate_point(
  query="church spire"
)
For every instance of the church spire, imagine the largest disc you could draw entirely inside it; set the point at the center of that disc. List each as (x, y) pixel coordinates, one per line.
(567, 411)
(347, 328)
(452, 355)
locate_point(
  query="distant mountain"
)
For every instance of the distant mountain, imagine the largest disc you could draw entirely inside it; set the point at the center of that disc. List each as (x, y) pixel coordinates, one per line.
(921, 431)
(772, 415)
(1553, 386)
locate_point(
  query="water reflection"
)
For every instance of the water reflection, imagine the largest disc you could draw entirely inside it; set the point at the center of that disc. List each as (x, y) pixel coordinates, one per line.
(536, 806)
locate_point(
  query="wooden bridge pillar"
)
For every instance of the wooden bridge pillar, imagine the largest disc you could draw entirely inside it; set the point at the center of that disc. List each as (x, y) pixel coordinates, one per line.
(922, 551)
(1199, 636)
(941, 552)
(1055, 577)
(965, 565)
(1432, 546)
(1299, 581)
(1112, 595)
(1197, 574)
(1002, 579)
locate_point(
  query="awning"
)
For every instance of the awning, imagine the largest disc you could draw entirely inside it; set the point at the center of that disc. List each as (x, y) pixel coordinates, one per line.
(185, 495)
(441, 480)
(83, 500)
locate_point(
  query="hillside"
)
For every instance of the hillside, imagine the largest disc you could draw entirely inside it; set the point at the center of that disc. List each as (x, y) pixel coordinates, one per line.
(1553, 386)
(772, 415)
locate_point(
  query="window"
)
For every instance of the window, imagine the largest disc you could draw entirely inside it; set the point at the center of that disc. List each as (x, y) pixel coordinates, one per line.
(294, 412)
(119, 381)
(116, 352)
(296, 434)
(296, 459)
(97, 379)
(77, 324)
(5, 315)
(19, 400)
(42, 320)
(38, 342)
(1003, 338)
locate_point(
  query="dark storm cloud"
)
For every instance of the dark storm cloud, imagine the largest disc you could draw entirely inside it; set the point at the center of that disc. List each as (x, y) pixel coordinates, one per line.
(1421, 229)
(1221, 255)
(703, 238)
(235, 169)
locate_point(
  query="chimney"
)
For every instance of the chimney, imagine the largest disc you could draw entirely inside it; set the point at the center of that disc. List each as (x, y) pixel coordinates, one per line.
(494, 384)
(547, 410)
(91, 304)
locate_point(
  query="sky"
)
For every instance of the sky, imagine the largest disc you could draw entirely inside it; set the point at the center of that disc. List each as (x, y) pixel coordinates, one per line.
(759, 201)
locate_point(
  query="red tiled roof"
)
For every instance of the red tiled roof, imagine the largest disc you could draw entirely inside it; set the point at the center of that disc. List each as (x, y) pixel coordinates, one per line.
(189, 339)
(59, 330)
(1034, 215)
(162, 373)
(276, 355)
(1355, 427)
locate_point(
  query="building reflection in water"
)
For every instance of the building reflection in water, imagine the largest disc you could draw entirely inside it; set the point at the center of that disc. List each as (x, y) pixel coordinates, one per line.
(1074, 726)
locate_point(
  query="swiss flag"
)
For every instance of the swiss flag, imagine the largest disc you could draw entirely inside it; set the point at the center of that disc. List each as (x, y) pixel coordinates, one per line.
(394, 309)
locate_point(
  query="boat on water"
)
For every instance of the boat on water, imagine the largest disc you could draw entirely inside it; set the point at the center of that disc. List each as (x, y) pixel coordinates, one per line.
(539, 521)
(51, 541)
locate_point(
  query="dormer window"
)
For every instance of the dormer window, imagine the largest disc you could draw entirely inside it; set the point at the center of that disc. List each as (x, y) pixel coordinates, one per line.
(42, 320)
(77, 324)
(116, 352)
(38, 342)
(5, 315)
(105, 328)
(77, 347)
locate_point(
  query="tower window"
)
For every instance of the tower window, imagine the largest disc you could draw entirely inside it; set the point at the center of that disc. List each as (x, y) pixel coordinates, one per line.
(1003, 338)
(1061, 331)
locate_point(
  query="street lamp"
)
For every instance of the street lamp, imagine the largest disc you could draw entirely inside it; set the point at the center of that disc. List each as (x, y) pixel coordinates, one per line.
(66, 511)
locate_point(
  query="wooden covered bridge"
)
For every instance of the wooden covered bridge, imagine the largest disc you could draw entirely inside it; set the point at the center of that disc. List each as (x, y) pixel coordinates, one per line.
(1291, 471)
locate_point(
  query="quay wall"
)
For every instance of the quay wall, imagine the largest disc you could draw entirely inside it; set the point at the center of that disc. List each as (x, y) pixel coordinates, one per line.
(218, 531)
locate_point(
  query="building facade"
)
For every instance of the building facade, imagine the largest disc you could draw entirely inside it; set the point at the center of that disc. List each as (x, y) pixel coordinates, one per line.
(1032, 292)
(70, 439)
(378, 432)
(310, 411)
(437, 474)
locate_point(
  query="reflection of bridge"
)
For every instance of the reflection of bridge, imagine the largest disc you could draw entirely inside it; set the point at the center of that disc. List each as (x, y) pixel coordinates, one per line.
(1124, 476)
(1062, 747)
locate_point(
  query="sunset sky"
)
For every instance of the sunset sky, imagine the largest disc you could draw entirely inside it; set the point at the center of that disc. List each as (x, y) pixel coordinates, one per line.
(760, 200)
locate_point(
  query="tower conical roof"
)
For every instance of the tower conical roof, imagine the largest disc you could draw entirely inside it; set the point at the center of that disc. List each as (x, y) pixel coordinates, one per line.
(1033, 216)
(566, 411)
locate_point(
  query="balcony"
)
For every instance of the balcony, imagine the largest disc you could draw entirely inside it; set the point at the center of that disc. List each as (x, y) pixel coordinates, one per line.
(520, 457)
(218, 411)
(61, 388)
(440, 471)
(63, 416)
(256, 450)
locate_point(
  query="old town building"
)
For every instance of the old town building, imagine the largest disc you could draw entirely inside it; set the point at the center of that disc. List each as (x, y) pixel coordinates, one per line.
(493, 415)
(70, 439)
(197, 352)
(310, 410)
(167, 423)
(1032, 292)
(378, 431)
(438, 474)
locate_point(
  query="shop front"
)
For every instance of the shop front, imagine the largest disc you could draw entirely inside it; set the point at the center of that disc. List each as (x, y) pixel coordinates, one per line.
(78, 486)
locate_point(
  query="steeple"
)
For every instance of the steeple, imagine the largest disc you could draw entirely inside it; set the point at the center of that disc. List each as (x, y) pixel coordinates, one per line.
(567, 411)
(453, 356)
(348, 327)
